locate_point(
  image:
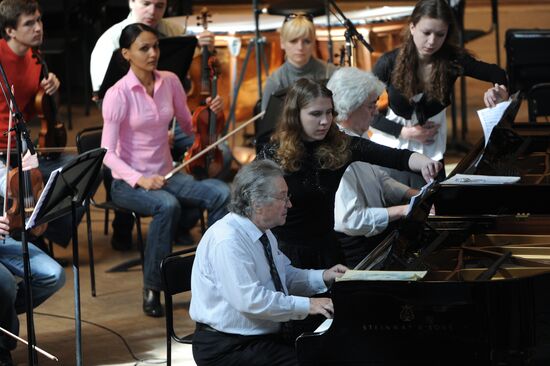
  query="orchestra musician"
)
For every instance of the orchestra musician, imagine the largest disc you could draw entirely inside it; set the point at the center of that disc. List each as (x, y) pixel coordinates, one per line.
(314, 155)
(298, 42)
(136, 113)
(243, 287)
(416, 118)
(46, 278)
(368, 200)
(149, 12)
(22, 30)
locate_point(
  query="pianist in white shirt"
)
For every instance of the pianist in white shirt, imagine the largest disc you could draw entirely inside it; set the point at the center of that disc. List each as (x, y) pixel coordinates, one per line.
(235, 301)
(367, 199)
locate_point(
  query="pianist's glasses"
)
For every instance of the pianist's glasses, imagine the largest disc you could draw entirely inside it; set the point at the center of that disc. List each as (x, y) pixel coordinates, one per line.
(286, 198)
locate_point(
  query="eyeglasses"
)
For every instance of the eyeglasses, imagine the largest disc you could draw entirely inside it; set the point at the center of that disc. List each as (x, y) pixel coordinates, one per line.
(293, 16)
(286, 199)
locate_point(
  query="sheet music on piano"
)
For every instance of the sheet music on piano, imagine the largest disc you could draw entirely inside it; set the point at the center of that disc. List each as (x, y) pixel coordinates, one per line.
(490, 117)
(495, 122)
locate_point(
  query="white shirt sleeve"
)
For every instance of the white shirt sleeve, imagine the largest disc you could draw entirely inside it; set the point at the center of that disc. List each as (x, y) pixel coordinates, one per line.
(103, 51)
(353, 214)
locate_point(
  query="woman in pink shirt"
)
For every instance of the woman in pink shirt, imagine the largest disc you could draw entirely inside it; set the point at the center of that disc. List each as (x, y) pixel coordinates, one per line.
(136, 114)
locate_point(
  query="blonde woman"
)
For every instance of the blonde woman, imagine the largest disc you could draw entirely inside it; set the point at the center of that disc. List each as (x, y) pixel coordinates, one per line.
(298, 42)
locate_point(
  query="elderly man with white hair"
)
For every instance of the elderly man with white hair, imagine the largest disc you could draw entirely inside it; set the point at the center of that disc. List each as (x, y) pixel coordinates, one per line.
(367, 199)
(243, 286)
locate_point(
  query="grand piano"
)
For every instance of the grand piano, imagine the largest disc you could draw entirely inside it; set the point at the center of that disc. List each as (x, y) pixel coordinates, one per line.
(485, 295)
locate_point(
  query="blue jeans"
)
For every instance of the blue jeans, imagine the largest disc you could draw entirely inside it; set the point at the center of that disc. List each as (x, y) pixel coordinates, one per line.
(181, 193)
(46, 278)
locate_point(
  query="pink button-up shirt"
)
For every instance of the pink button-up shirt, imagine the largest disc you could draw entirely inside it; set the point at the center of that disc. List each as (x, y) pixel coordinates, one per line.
(135, 129)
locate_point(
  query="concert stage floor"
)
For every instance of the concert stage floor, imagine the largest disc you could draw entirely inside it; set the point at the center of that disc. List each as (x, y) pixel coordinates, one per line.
(118, 302)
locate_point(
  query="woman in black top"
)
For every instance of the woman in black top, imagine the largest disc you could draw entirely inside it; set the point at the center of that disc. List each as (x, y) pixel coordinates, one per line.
(420, 77)
(314, 154)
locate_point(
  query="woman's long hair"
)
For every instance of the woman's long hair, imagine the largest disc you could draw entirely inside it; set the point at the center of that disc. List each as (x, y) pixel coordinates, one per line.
(332, 151)
(405, 76)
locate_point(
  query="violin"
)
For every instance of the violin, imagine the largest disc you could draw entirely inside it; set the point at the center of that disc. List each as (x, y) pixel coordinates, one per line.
(207, 126)
(52, 132)
(34, 185)
(199, 73)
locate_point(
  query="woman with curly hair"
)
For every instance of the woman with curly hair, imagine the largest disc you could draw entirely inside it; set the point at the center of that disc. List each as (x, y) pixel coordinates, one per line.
(420, 77)
(314, 155)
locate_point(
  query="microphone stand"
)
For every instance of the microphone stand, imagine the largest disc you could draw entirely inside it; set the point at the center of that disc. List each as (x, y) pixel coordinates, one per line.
(22, 133)
(351, 27)
(349, 51)
(329, 43)
(258, 46)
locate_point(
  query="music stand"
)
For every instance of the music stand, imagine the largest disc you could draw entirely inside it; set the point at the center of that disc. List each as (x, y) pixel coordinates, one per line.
(67, 188)
(266, 126)
(176, 55)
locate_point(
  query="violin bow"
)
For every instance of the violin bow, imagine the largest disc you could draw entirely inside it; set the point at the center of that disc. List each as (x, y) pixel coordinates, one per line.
(173, 127)
(36, 348)
(212, 146)
(8, 149)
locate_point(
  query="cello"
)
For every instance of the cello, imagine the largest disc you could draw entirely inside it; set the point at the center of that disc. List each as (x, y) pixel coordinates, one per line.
(52, 132)
(207, 126)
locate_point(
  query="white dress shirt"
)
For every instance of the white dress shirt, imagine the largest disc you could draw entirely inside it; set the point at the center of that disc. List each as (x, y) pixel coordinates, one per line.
(362, 197)
(364, 192)
(232, 288)
(109, 42)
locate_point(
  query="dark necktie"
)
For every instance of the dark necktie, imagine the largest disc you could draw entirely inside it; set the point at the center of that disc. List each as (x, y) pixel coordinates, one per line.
(272, 268)
(287, 331)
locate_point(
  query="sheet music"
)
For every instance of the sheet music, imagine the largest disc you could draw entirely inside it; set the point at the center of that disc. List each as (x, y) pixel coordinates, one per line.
(490, 117)
(354, 275)
(467, 179)
(417, 197)
(32, 219)
(324, 326)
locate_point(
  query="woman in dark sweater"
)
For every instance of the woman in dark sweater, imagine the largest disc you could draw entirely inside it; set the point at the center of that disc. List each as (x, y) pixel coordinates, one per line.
(420, 77)
(314, 155)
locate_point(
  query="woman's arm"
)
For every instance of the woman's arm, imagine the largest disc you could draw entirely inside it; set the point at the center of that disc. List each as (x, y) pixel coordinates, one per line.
(488, 72)
(114, 113)
(371, 152)
(423, 164)
(181, 110)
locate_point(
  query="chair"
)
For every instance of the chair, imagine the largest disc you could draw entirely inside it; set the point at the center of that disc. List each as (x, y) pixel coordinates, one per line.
(538, 99)
(175, 270)
(88, 139)
(527, 58)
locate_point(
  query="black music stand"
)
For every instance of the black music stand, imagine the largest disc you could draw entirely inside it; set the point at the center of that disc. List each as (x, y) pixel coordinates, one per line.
(176, 55)
(67, 188)
(266, 126)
